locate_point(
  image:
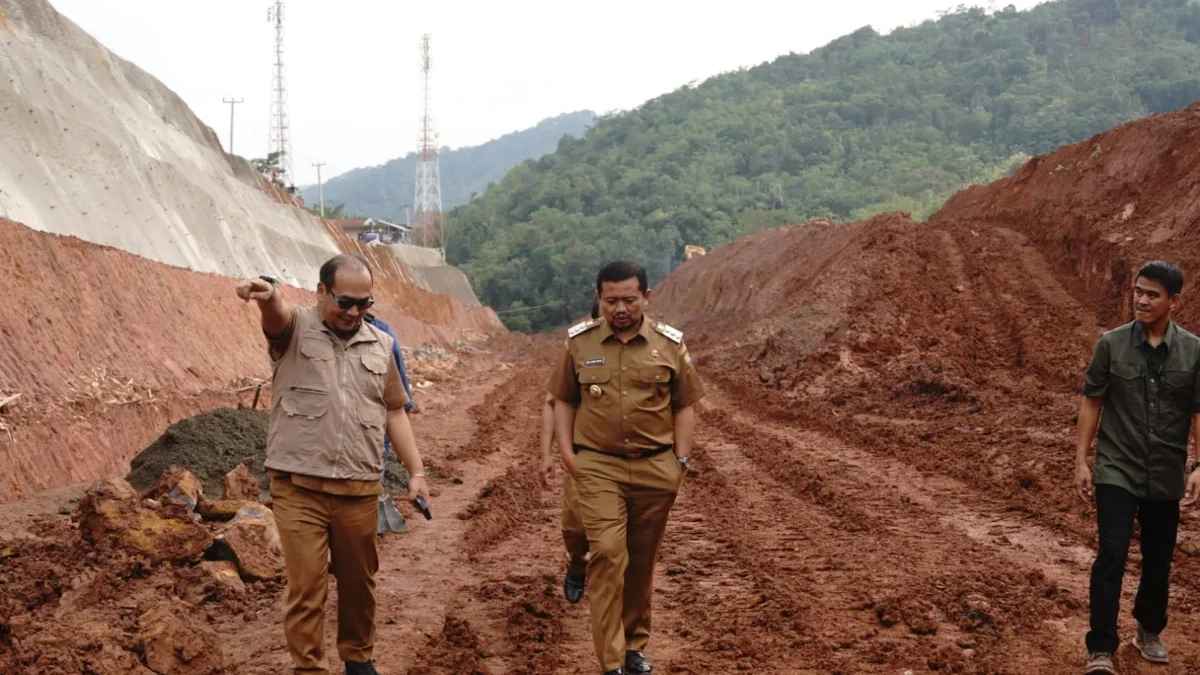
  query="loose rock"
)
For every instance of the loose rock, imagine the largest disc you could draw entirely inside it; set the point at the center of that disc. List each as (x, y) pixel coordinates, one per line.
(175, 643)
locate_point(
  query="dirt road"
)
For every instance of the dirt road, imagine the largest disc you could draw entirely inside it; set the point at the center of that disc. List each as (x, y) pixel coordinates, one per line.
(789, 552)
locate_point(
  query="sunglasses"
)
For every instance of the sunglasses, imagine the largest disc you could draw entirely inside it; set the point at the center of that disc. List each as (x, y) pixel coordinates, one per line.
(347, 303)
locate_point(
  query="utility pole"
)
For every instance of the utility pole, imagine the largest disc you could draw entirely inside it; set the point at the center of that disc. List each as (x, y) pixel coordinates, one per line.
(232, 103)
(320, 187)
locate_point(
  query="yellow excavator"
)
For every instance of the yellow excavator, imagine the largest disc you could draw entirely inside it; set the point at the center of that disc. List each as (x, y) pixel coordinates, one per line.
(690, 251)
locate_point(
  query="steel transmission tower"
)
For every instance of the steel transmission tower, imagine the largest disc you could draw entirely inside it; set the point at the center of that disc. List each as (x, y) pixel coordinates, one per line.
(281, 138)
(428, 200)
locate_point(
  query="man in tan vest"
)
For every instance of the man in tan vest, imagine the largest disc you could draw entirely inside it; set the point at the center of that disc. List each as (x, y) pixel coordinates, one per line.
(335, 390)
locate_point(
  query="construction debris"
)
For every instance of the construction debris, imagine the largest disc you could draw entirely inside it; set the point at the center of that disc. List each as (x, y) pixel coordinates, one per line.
(239, 484)
(111, 515)
(252, 541)
(177, 486)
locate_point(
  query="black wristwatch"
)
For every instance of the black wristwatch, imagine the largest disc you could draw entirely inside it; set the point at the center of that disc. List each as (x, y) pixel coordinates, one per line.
(1194, 466)
(269, 279)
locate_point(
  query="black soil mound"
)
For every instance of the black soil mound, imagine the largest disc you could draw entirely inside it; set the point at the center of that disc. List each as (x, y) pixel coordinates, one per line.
(211, 444)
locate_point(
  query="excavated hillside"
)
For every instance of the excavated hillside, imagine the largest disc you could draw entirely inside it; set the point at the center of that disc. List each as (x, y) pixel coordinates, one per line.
(123, 229)
(97, 148)
(924, 379)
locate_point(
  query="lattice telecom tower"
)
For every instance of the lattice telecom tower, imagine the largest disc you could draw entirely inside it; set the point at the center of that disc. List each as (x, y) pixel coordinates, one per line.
(281, 138)
(428, 200)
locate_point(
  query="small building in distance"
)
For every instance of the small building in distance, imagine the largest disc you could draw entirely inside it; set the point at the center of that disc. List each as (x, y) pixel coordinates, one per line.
(375, 230)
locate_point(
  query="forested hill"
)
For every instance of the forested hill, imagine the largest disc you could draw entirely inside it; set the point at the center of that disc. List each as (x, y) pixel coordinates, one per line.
(383, 191)
(868, 123)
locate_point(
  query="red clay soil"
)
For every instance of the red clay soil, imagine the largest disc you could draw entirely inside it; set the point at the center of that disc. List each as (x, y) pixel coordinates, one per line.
(107, 349)
(883, 463)
(903, 377)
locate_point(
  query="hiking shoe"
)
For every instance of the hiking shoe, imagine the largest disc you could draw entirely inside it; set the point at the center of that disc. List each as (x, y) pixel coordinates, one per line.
(358, 668)
(636, 663)
(1150, 645)
(573, 585)
(1099, 662)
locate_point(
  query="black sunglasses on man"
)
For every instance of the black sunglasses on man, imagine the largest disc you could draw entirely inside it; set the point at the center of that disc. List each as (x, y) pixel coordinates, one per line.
(346, 303)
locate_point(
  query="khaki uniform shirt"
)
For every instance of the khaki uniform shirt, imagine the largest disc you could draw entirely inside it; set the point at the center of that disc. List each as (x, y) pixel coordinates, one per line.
(626, 393)
(1150, 395)
(330, 400)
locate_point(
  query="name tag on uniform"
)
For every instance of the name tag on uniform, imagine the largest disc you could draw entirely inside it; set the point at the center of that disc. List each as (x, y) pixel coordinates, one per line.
(594, 362)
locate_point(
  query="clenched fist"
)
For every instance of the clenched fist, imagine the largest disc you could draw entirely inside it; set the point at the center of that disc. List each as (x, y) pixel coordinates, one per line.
(255, 289)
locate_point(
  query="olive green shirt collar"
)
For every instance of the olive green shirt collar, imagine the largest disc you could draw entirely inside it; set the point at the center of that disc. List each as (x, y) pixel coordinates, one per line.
(1141, 336)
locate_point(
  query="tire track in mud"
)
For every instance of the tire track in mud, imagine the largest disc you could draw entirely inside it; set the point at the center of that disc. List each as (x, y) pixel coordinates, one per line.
(1009, 590)
(505, 614)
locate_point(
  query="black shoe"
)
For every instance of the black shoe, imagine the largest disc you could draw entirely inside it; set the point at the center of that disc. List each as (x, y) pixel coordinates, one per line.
(356, 668)
(636, 663)
(573, 585)
(618, 671)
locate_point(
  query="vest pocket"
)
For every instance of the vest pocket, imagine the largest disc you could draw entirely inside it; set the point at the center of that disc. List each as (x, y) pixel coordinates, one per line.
(372, 416)
(307, 403)
(316, 347)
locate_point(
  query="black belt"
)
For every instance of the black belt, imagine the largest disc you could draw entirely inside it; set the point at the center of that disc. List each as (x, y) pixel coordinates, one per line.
(629, 455)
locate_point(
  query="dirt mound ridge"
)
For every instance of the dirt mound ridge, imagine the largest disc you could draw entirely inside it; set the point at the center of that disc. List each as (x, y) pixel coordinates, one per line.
(1099, 208)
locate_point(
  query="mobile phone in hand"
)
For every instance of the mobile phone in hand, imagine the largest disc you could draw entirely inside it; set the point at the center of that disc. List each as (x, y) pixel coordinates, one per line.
(423, 507)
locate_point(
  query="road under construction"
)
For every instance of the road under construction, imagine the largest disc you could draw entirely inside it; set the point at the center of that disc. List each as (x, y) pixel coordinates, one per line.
(883, 462)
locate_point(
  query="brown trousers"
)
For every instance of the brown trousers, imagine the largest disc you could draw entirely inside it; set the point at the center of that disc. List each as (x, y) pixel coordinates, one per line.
(624, 504)
(319, 531)
(574, 536)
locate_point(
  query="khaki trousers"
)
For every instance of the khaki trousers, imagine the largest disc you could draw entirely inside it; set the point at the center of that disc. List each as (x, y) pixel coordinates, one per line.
(319, 531)
(624, 504)
(574, 536)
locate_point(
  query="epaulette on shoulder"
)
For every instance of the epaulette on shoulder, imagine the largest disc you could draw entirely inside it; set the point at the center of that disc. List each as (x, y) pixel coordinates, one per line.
(582, 327)
(673, 334)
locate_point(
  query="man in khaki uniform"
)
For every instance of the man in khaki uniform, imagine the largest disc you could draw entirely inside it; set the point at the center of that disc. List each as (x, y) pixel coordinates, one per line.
(624, 417)
(574, 536)
(335, 389)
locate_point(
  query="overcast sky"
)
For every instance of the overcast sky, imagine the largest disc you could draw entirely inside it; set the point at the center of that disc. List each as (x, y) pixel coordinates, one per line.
(353, 73)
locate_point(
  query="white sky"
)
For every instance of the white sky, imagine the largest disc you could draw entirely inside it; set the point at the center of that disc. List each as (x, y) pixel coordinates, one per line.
(353, 74)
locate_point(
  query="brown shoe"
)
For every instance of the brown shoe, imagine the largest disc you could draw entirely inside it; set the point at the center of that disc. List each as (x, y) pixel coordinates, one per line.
(1150, 645)
(1099, 662)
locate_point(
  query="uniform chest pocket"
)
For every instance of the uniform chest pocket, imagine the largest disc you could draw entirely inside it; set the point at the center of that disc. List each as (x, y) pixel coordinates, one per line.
(654, 375)
(1180, 386)
(652, 385)
(594, 376)
(594, 386)
(1125, 374)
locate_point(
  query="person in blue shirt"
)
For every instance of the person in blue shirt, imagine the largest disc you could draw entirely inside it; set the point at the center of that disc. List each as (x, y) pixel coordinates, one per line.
(387, 443)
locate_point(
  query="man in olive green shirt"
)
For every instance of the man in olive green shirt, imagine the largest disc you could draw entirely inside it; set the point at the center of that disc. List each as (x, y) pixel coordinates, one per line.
(1143, 376)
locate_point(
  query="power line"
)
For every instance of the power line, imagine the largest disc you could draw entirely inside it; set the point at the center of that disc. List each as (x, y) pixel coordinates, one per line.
(526, 309)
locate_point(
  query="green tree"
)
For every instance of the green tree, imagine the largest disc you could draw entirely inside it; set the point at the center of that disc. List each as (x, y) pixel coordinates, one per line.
(866, 124)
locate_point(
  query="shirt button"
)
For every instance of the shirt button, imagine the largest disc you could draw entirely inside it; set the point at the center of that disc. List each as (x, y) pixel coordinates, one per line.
(624, 393)
(623, 369)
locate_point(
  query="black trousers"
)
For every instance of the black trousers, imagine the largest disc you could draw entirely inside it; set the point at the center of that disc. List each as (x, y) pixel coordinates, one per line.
(1115, 510)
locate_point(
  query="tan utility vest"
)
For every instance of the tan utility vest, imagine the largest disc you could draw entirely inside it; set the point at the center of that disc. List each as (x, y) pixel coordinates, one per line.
(328, 414)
